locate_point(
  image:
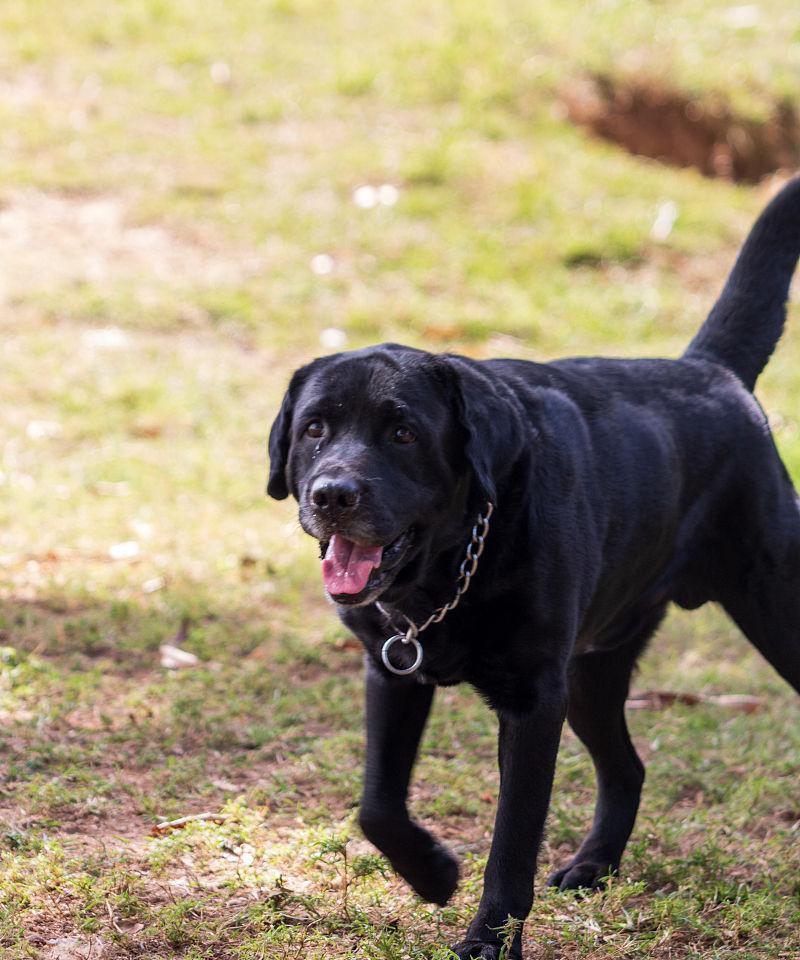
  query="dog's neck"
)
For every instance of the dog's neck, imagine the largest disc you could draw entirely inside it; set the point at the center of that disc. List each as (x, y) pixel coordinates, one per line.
(423, 605)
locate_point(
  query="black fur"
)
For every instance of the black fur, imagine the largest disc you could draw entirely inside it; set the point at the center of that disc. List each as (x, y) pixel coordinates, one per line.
(620, 486)
(747, 321)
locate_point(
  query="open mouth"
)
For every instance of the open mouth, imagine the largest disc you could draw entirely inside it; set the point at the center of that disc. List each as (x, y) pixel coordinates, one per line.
(351, 570)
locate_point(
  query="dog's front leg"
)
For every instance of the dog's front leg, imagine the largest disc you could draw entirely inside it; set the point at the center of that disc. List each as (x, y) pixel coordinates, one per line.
(528, 745)
(396, 713)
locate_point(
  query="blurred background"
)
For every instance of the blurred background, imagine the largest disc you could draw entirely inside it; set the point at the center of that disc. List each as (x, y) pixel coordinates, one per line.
(197, 197)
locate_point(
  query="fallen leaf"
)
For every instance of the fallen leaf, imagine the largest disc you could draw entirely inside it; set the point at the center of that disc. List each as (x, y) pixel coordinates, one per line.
(126, 550)
(332, 338)
(665, 220)
(322, 264)
(182, 632)
(220, 73)
(106, 338)
(388, 194)
(173, 658)
(146, 429)
(365, 197)
(42, 429)
(348, 642)
(111, 488)
(224, 785)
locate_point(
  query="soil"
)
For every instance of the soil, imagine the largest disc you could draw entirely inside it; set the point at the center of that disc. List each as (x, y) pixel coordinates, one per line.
(96, 240)
(674, 128)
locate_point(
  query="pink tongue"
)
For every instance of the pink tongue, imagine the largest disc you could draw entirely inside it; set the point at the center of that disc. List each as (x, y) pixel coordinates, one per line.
(347, 565)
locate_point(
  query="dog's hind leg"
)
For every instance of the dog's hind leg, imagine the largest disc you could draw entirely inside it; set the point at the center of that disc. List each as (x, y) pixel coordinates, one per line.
(598, 688)
(761, 589)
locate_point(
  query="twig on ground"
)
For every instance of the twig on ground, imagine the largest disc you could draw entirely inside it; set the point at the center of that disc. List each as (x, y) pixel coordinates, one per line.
(167, 826)
(659, 699)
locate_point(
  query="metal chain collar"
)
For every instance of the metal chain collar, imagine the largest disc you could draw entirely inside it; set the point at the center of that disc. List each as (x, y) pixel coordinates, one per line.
(466, 571)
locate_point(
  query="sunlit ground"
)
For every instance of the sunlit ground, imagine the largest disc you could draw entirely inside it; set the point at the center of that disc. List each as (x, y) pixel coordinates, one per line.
(198, 197)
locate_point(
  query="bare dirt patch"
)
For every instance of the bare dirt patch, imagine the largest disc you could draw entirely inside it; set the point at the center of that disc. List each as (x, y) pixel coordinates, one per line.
(674, 128)
(48, 240)
(75, 948)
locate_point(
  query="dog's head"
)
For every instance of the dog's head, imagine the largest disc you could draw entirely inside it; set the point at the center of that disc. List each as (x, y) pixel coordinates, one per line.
(385, 449)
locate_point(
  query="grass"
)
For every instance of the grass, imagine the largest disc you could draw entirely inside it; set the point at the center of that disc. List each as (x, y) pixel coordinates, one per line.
(170, 173)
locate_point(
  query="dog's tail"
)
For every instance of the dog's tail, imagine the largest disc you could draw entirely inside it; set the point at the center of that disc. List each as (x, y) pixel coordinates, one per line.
(747, 320)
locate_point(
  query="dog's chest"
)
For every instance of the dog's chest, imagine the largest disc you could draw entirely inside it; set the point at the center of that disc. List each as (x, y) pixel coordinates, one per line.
(477, 645)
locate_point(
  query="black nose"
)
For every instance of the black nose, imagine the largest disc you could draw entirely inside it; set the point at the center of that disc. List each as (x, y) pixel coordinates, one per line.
(335, 497)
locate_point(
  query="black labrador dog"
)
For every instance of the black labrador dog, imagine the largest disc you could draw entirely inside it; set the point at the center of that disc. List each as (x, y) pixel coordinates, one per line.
(523, 527)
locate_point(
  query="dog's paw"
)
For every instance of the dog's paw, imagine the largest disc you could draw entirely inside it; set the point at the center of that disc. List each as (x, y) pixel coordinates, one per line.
(434, 877)
(581, 875)
(480, 950)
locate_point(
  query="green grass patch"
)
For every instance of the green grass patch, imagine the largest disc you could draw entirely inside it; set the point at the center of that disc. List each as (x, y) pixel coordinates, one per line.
(184, 221)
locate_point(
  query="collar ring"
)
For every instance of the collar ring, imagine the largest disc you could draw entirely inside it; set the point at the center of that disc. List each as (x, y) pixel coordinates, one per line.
(408, 638)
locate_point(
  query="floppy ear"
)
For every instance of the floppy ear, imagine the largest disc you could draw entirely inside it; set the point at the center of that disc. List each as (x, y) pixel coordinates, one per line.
(279, 448)
(281, 432)
(491, 417)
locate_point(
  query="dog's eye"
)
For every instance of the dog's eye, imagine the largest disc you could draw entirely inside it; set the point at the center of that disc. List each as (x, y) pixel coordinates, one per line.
(315, 429)
(404, 435)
